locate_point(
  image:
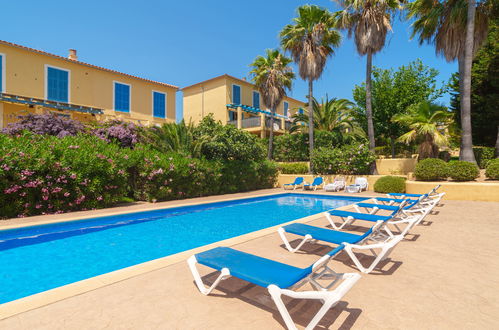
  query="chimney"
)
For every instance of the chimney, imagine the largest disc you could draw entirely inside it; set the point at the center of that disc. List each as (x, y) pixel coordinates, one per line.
(72, 55)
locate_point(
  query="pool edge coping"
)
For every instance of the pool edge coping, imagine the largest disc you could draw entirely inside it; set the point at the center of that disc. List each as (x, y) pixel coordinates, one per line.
(44, 298)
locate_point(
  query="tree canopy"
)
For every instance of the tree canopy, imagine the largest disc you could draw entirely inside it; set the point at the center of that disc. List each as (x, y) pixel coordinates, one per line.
(393, 92)
(484, 91)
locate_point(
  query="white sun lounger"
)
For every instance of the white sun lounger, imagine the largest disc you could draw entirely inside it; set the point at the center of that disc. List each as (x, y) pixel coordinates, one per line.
(280, 279)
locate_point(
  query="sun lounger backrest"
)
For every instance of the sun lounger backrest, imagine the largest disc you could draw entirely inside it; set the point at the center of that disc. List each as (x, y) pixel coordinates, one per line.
(317, 181)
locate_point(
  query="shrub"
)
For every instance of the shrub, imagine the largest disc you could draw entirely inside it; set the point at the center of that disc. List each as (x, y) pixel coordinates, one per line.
(463, 171)
(294, 147)
(483, 155)
(293, 168)
(430, 169)
(45, 174)
(45, 124)
(492, 171)
(444, 155)
(226, 142)
(349, 159)
(125, 134)
(390, 184)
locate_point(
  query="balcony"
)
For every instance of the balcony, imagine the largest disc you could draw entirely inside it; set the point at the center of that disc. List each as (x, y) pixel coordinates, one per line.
(251, 122)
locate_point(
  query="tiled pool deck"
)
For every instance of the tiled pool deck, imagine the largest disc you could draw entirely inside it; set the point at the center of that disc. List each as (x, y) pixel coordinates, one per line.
(446, 275)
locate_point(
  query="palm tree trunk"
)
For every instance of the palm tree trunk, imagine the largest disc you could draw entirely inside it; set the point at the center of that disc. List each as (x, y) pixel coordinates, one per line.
(369, 108)
(310, 122)
(466, 152)
(271, 136)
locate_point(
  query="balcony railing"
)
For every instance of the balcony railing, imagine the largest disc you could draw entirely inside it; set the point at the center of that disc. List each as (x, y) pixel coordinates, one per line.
(232, 122)
(251, 122)
(288, 124)
(277, 123)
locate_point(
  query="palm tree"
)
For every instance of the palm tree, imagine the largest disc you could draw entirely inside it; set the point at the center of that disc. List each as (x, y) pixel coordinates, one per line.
(174, 137)
(272, 75)
(311, 39)
(457, 30)
(428, 124)
(332, 115)
(369, 21)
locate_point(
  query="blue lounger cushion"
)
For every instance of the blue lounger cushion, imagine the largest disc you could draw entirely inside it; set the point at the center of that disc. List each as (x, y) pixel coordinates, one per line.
(297, 181)
(383, 207)
(396, 200)
(323, 234)
(408, 195)
(359, 216)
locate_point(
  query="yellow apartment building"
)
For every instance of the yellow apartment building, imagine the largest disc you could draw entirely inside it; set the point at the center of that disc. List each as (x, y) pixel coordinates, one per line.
(237, 102)
(33, 81)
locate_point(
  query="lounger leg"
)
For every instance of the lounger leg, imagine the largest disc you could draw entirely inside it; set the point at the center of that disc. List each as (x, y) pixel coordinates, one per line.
(282, 233)
(385, 248)
(328, 298)
(224, 274)
(346, 222)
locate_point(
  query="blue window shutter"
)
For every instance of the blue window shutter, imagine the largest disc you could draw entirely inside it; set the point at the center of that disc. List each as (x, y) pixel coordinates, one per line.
(121, 97)
(236, 94)
(159, 106)
(57, 85)
(256, 99)
(300, 111)
(286, 108)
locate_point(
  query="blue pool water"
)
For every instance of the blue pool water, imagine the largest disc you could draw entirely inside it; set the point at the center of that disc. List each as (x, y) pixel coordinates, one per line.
(38, 258)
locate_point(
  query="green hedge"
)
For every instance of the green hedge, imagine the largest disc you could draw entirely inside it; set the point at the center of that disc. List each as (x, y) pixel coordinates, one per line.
(293, 168)
(390, 184)
(463, 171)
(42, 174)
(354, 158)
(431, 169)
(492, 171)
(483, 155)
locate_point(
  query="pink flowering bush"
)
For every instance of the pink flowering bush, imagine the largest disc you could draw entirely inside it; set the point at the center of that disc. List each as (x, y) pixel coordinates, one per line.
(46, 174)
(349, 159)
(45, 124)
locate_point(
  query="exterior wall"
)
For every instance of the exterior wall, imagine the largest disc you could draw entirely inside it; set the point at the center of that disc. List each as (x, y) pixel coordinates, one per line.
(212, 96)
(471, 191)
(201, 100)
(390, 166)
(25, 76)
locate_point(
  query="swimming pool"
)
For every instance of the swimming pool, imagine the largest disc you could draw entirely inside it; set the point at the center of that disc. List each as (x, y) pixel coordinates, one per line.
(38, 258)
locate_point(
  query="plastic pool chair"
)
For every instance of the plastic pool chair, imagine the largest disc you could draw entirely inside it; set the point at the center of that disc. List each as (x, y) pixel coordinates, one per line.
(373, 240)
(280, 279)
(298, 182)
(318, 181)
(337, 185)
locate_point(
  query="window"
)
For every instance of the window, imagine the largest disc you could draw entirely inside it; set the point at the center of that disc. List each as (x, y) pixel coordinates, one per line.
(57, 84)
(300, 111)
(232, 115)
(2, 73)
(286, 108)
(121, 97)
(256, 100)
(159, 104)
(236, 94)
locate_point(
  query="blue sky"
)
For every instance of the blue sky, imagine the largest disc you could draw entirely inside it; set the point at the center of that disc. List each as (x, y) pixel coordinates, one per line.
(184, 42)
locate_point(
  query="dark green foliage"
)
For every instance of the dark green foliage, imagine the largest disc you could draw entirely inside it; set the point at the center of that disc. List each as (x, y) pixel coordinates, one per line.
(226, 142)
(431, 169)
(392, 93)
(483, 155)
(484, 90)
(294, 147)
(349, 159)
(444, 155)
(463, 171)
(390, 184)
(492, 171)
(42, 174)
(293, 168)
